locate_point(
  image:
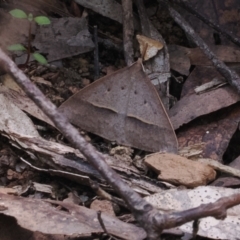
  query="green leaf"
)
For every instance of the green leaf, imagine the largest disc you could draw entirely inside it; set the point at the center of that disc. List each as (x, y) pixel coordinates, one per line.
(42, 20)
(16, 47)
(40, 58)
(17, 13)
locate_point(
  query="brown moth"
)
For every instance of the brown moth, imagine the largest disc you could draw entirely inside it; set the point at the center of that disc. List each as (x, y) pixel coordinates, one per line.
(123, 107)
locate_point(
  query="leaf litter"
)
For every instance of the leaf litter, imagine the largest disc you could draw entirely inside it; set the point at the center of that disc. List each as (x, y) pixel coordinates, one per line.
(210, 119)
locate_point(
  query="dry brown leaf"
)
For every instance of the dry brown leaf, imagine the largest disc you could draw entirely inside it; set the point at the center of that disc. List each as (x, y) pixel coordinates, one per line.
(215, 131)
(223, 12)
(193, 106)
(38, 215)
(103, 206)
(64, 37)
(224, 53)
(179, 60)
(148, 47)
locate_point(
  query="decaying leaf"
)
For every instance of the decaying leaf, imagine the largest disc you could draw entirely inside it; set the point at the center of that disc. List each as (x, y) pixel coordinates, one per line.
(25, 104)
(224, 53)
(191, 151)
(55, 155)
(123, 107)
(215, 131)
(223, 12)
(178, 200)
(104, 206)
(194, 105)
(107, 8)
(179, 60)
(64, 37)
(37, 215)
(180, 170)
(200, 75)
(12, 119)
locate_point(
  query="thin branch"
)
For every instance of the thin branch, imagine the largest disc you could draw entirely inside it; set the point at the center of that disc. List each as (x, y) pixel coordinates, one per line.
(96, 53)
(229, 35)
(230, 75)
(128, 31)
(217, 209)
(144, 19)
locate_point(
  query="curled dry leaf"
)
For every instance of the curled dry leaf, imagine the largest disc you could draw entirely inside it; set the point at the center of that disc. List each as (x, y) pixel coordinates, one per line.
(148, 47)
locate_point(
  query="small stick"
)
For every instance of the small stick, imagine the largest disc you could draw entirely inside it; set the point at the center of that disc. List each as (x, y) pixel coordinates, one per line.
(96, 54)
(145, 22)
(99, 213)
(128, 31)
(100, 192)
(100, 220)
(229, 35)
(231, 76)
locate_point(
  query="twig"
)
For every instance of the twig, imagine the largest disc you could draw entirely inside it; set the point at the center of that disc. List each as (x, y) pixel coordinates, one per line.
(217, 209)
(100, 192)
(232, 37)
(145, 22)
(195, 228)
(148, 217)
(128, 31)
(96, 54)
(100, 220)
(231, 76)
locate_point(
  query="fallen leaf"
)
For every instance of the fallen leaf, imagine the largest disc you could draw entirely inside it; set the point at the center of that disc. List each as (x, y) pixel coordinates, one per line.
(12, 119)
(179, 60)
(64, 37)
(103, 206)
(25, 104)
(194, 105)
(148, 47)
(107, 8)
(214, 131)
(38, 215)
